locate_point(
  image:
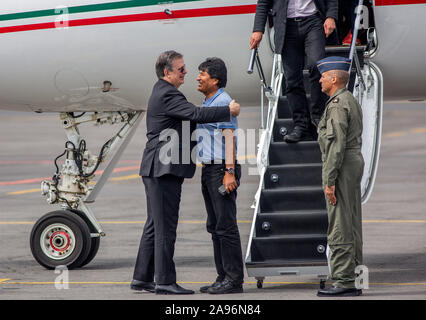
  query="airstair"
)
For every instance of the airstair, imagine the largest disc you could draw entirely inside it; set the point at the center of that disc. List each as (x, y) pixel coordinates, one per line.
(289, 228)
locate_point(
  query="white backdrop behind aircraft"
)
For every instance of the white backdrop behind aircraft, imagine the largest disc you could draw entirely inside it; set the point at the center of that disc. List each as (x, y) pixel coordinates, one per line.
(400, 53)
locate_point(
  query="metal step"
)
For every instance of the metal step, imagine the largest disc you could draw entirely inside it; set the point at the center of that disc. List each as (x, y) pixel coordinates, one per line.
(289, 199)
(307, 247)
(343, 51)
(270, 224)
(285, 263)
(285, 126)
(281, 128)
(283, 108)
(290, 153)
(293, 175)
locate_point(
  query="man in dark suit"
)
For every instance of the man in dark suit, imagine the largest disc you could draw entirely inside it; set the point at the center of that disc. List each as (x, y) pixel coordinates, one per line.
(170, 121)
(301, 28)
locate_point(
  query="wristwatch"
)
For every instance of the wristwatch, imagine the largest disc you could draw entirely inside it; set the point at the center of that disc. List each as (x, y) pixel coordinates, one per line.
(230, 170)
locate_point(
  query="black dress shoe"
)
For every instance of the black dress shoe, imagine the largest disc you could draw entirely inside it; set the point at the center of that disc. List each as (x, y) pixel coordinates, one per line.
(296, 135)
(215, 284)
(339, 292)
(173, 288)
(142, 285)
(226, 286)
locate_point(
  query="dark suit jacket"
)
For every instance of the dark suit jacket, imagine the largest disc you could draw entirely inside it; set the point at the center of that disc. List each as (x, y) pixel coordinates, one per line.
(170, 121)
(278, 11)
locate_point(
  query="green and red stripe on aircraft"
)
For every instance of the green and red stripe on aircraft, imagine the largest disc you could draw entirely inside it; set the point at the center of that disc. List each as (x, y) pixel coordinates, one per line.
(88, 8)
(176, 14)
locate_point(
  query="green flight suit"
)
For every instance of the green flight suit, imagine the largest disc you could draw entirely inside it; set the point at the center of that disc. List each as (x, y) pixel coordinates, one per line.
(339, 137)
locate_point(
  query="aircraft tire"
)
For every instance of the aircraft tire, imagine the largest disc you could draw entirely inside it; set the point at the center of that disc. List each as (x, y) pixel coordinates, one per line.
(95, 241)
(60, 238)
(93, 251)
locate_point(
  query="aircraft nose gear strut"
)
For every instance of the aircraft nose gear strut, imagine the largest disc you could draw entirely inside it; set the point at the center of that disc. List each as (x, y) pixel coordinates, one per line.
(71, 236)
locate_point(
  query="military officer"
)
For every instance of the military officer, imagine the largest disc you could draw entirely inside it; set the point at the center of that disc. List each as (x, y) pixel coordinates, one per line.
(339, 137)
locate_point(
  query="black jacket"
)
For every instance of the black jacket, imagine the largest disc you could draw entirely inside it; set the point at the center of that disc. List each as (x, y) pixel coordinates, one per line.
(169, 151)
(278, 11)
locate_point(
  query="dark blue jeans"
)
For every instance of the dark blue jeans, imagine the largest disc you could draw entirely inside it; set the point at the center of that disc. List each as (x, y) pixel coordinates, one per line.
(305, 37)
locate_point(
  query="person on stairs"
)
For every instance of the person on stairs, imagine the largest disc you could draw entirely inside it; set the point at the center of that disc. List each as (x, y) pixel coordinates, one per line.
(301, 28)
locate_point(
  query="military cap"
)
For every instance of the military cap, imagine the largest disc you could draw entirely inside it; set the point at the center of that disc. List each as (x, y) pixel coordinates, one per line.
(333, 63)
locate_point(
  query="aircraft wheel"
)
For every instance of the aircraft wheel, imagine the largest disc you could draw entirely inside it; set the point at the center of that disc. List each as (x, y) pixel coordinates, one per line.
(60, 238)
(95, 241)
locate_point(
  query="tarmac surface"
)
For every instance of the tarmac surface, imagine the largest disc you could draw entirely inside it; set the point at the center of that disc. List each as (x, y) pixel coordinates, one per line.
(394, 219)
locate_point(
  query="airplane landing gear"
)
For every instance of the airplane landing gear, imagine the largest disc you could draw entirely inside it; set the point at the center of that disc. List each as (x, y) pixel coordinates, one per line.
(70, 237)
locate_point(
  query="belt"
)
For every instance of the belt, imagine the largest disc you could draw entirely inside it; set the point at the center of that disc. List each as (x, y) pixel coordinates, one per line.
(216, 162)
(299, 19)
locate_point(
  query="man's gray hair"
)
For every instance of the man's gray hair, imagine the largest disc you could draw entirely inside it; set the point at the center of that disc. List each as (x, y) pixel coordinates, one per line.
(341, 75)
(165, 61)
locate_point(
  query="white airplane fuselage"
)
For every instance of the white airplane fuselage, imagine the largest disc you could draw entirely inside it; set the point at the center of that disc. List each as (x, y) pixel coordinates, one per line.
(56, 58)
(400, 54)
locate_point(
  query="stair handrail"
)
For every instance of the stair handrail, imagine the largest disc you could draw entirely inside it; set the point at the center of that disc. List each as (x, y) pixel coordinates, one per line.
(273, 93)
(352, 50)
(254, 59)
(273, 97)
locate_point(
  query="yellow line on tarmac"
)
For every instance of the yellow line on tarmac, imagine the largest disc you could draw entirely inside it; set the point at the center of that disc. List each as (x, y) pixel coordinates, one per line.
(15, 222)
(250, 221)
(404, 133)
(399, 284)
(418, 130)
(393, 221)
(8, 281)
(121, 222)
(203, 221)
(130, 177)
(371, 283)
(64, 282)
(395, 134)
(124, 178)
(23, 192)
